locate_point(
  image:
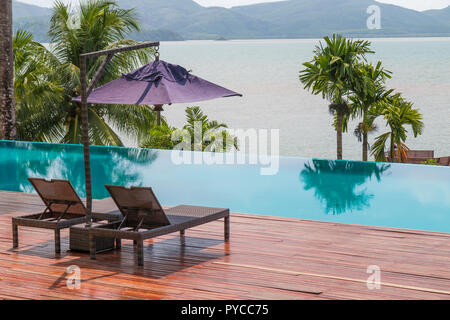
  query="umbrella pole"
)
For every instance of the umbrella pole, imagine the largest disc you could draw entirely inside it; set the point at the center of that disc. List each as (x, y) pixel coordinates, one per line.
(158, 108)
(87, 160)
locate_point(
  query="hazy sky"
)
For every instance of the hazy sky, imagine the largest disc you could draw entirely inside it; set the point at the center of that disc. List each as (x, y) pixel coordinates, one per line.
(413, 4)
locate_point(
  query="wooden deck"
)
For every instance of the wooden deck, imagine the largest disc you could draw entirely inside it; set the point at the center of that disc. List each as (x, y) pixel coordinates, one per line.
(267, 258)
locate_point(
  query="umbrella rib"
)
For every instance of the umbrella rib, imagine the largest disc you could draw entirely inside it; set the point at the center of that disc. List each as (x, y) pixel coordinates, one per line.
(144, 94)
(147, 90)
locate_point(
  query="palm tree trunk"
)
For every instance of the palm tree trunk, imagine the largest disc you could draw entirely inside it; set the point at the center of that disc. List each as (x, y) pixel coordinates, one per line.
(365, 136)
(392, 154)
(365, 146)
(339, 136)
(7, 108)
(158, 108)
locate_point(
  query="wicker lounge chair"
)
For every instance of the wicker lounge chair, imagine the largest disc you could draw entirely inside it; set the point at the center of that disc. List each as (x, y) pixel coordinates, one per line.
(63, 209)
(144, 218)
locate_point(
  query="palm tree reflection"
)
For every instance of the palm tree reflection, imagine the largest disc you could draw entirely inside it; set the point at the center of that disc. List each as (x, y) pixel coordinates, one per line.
(120, 166)
(339, 184)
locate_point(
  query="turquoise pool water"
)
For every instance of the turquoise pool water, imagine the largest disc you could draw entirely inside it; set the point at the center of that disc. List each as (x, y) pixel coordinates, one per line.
(391, 195)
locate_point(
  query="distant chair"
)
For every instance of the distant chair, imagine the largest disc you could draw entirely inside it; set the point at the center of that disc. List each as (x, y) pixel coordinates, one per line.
(444, 161)
(420, 156)
(414, 156)
(417, 156)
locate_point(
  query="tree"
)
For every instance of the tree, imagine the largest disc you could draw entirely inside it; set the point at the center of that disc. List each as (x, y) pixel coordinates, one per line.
(215, 138)
(398, 113)
(368, 93)
(203, 134)
(333, 72)
(160, 137)
(37, 90)
(7, 107)
(94, 25)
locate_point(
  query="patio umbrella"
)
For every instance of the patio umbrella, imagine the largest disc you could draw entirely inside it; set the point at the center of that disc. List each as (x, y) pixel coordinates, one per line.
(158, 83)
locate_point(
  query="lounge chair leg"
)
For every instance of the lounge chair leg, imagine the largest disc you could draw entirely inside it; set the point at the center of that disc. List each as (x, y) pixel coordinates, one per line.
(15, 236)
(182, 233)
(140, 252)
(57, 241)
(227, 228)
(118, 243)
(135, 242)
(92, 247)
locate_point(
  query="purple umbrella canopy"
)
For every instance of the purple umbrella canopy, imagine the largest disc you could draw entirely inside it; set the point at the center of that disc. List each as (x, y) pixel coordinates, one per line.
(157, 83)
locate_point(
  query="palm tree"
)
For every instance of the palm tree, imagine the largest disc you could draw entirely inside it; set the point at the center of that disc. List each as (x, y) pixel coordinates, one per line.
(398, 113)
(7, 108)
(161, 137)
(333, 72)
(370, 92)
(213, 135)
(99, 25)
(36, 89)
(203, 134)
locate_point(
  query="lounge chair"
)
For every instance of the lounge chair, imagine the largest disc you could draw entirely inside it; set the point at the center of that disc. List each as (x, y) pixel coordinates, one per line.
(63, 209)
(145, 218)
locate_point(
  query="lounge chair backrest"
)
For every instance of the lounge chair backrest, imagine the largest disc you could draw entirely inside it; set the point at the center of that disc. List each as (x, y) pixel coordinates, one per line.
(138, 203)
(57, 194)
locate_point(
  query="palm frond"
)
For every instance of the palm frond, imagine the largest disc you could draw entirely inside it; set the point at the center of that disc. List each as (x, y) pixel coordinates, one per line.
(379, 146)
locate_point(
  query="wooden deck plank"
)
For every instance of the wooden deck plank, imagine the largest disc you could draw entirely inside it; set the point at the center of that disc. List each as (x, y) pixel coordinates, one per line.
(267, 258)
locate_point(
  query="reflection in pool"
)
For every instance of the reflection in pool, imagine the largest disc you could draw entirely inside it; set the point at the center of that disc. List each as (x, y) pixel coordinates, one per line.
(111, 166)
(339, 185)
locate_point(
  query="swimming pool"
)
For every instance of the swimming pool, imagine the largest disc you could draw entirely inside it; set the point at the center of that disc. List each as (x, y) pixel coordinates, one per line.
(379, 194)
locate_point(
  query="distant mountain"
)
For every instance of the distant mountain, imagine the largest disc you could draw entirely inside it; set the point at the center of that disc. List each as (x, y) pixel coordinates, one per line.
(32, 18)
(193, 21)
(21, 10)
(178, 19)
(442, 15)
(315, 18)
(288, 19)
(147, 34)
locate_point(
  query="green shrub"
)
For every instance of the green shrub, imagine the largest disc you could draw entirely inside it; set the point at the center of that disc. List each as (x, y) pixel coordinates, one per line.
(430, 162)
